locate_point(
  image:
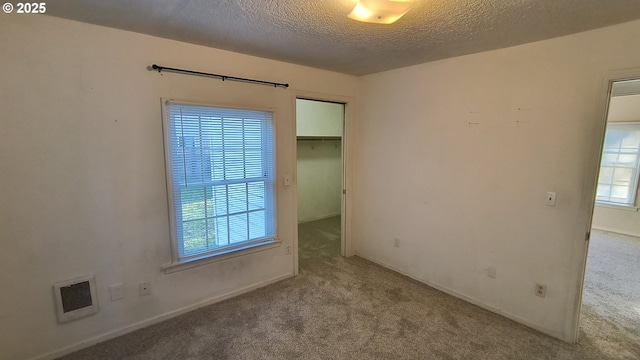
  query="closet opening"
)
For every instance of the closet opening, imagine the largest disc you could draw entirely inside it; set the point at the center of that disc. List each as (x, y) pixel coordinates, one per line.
(320, 182)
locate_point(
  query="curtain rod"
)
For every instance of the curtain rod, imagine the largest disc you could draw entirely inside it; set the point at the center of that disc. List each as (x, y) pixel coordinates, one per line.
(217, 76)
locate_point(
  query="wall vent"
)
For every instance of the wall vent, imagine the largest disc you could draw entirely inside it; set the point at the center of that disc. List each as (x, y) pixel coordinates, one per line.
(75, 298)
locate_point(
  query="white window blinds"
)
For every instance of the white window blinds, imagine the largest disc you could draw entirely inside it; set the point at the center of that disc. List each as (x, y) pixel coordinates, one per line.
(618, 180)
(221, 178)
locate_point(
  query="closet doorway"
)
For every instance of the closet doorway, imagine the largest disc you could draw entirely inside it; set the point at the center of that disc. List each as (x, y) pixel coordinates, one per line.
(320, 179)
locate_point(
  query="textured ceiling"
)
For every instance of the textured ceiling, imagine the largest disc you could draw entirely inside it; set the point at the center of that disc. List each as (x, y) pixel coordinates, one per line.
(318, 33)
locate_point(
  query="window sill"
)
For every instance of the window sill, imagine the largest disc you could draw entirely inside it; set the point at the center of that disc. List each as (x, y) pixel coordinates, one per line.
(208, 259)
(617, 206)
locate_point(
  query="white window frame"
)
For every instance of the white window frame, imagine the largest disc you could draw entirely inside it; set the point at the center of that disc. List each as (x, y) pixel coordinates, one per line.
(633, 187)
(176, 165)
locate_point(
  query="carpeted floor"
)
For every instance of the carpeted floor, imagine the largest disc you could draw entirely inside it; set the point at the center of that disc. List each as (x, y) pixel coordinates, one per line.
(350, 308)
(612, 283)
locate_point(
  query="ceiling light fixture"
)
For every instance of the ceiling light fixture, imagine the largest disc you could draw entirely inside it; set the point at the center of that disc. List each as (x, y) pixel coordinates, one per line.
(380, 11)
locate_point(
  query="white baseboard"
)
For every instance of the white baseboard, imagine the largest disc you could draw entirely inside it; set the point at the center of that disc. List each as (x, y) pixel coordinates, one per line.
(319, 218)
(475, 302)
(154, 320)
(617, 231)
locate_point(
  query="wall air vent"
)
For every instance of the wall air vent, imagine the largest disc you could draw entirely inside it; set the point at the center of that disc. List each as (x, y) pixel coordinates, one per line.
(75, 298)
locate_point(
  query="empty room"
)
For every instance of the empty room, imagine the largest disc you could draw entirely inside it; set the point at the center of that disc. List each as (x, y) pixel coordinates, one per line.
(173, 188)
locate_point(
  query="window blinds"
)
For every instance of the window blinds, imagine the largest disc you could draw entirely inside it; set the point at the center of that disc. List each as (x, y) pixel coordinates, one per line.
(618, 180)
(222, 177)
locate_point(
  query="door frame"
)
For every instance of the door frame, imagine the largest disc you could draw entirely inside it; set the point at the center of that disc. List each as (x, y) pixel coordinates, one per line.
(604, 99)
(346, 248)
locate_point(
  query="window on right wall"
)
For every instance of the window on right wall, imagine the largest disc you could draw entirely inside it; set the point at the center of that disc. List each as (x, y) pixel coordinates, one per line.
(620, 165)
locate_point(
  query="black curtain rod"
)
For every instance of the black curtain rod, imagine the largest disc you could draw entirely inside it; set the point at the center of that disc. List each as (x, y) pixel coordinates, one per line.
(217, 76)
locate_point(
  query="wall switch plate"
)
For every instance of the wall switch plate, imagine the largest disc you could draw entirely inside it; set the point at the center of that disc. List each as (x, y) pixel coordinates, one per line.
(145, 288)
(396, 242)
(551, 198)
(287, 180)
(115, 291)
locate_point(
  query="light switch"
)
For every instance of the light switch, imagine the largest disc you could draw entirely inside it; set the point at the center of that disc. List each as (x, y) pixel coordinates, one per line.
(551, 198)
(287, 180)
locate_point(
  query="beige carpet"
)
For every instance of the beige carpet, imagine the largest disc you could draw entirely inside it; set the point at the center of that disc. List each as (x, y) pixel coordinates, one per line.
(350, 308)
(612, 288)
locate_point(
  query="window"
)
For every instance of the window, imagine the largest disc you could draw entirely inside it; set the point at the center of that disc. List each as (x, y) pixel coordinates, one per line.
(220, 175)
(618, 181)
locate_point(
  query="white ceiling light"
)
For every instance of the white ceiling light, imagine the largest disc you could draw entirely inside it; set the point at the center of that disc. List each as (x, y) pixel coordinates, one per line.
(380, 11)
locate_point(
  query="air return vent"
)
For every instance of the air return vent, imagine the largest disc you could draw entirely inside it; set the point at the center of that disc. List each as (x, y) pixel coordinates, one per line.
(75, 298)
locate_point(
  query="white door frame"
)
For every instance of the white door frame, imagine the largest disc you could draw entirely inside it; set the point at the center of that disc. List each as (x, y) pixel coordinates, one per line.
(594, 171)
(346, 248)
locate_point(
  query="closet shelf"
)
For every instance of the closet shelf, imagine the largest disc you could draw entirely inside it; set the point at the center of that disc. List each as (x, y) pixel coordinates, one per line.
(319, 138)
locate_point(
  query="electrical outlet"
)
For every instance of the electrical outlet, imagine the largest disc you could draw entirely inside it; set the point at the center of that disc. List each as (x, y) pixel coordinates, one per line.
(541, 290)
(145, 288)
(115, 291)
(287, 249)
(396, 242)
(492, 272)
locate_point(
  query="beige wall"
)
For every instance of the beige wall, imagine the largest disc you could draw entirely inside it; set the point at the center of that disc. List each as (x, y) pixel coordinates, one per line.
(81, 148)
(624, 108)
(318, 118)
(612, 218)
(454, 158)
(618, 220)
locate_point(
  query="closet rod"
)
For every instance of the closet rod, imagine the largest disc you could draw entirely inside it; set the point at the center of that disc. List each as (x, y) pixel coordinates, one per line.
(217, 76)
(322, 138)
